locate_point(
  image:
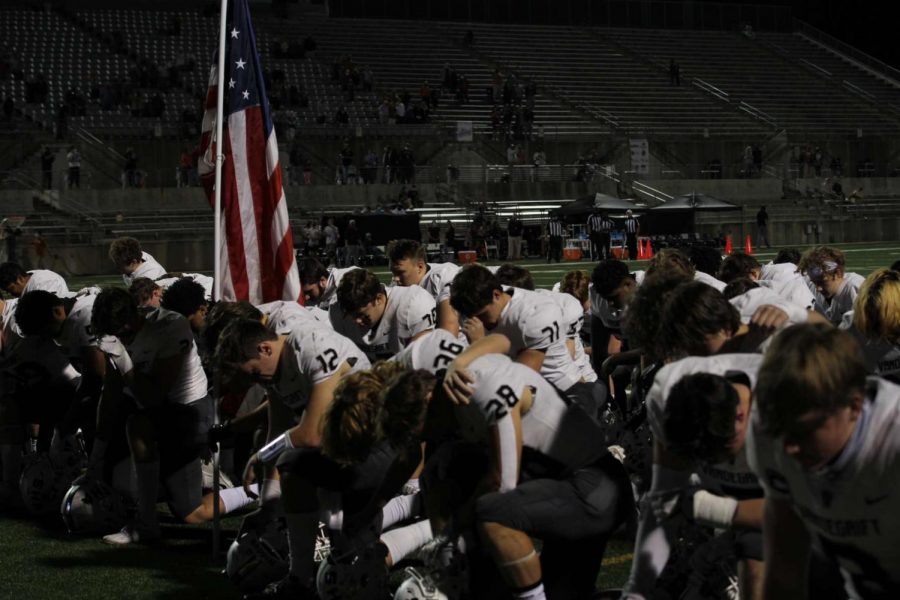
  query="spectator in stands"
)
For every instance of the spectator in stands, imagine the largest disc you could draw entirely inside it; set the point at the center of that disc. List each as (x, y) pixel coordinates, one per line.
(330, 231)
(370, 167)
(73, 158)
(400, 111)
(47, 158)
(434, 232)
(449, 78)
(762, 227)
(353, 244)
(818, 159)
(384, 111)
(450, 237)
(748, 160)
(131, 177)
(539, 160)
(345, 159)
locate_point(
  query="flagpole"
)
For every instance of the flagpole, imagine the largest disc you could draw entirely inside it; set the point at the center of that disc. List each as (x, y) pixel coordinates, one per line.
(217, 244)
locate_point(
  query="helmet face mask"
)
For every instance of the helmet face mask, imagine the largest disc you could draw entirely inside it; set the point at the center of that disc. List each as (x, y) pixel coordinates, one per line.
(258, 557)
(44, 482)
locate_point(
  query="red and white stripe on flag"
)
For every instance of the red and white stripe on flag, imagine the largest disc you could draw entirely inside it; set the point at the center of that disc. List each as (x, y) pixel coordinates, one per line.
(257, 259)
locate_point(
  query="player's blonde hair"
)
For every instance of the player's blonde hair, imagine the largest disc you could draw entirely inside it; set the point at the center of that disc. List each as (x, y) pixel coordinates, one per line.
(876, 312)
(350, 425)
(576, 284)
(808, 367)
(671, 261)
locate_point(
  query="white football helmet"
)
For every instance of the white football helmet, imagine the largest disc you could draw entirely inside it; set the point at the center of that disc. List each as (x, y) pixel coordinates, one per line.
(360, 576)
(43, 484)
(258, 557)
(94, 507)
(418, 586)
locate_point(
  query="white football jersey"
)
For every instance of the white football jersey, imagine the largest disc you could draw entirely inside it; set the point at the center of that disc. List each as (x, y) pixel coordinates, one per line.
(882, 357)
(732, 478)
(849, 507)
(437, 280)
(321, 315)
(329, 295)
(149, 269)
(780, 272)
(533, 321)
(556, 429)
(166, 334)
(408, 312)
(282, 315)
(47, 281)
(39, 360)
(571, 310)
(76, 330)
(751, 300)
(709, 280)
(311, 355)
(794, 290)
(432, 352)
(10, 335)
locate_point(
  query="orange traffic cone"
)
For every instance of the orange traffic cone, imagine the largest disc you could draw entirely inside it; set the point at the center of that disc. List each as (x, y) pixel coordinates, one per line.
(641, 255)
(728, 247)
(748, 247)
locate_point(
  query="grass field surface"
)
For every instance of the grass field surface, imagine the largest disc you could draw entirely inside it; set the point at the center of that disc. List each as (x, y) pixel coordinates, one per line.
(39, 560)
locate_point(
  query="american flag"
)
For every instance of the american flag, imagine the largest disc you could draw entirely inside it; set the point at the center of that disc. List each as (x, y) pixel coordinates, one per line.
(257, 251)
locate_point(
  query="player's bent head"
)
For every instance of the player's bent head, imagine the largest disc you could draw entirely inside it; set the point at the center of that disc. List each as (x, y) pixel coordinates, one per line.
(699, 418)
(876, 312)
(820, 261)
(516, 276)
(739, 265)
(405, 404)
(34, 311)
(238, 344)
(671, 261)
(145, 292)
(185, 297)
(787, 255)
(311, 270)
(407, 261)
(114, 313)
(357, 289)
(643, 319)
(575, 283)
(739, 286)
(705, 259)
(10, 273)
(608, 275)
(473, 289)
(125, 251)
(809, 369)
(223, 313)
(350, 426)
(693, 317)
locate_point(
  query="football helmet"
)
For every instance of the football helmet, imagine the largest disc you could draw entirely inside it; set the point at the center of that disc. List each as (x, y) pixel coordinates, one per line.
(94, 507)
(418, 586)
(44, 483)
(258, 556)
(361, 576)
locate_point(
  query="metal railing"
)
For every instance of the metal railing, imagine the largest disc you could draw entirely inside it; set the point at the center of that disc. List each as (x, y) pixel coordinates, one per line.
(857, 55)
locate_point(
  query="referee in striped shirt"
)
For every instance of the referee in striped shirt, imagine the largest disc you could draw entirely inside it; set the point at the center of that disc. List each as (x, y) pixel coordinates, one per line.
(632, 229)
(599, 229)
(556, 230)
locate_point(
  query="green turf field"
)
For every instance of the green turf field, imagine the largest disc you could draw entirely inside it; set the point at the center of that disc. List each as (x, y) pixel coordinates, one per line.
(41, 561)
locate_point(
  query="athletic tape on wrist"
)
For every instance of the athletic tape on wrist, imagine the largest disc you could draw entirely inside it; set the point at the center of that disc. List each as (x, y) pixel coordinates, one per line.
(273, 449)
(714, 511)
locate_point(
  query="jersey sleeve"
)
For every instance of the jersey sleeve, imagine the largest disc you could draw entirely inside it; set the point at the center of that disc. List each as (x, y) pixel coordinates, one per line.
(418, 313)
(542, 326)
(761, 449)
(495, 398)
(175, 338)
(321, 354)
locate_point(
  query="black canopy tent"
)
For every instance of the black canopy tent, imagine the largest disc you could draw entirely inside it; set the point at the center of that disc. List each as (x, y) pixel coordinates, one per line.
(578, 211)
(678, 215)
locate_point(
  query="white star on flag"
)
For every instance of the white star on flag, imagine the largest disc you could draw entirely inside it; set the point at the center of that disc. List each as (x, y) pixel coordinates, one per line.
(230, 83)
(240, 63)
(234, 33)
(246, 95)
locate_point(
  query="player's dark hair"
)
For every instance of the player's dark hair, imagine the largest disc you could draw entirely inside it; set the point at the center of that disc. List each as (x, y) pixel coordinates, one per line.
(142, 289)
(895, 266)
(238, 343)
(358, 288)
(405, 406)
(739, 286)
(311, 270)
(699, 416)
(705, 259)
(223, 313)
(398, 250)
(516, 276)
(737, 265)
(113, 309)
(691, 313)
(473, 289)
(642, 320)
(9, 273)
(185, 297)
(608, 275)
(787, 255)
(808, 367)
(34, 311)
(125, 250)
